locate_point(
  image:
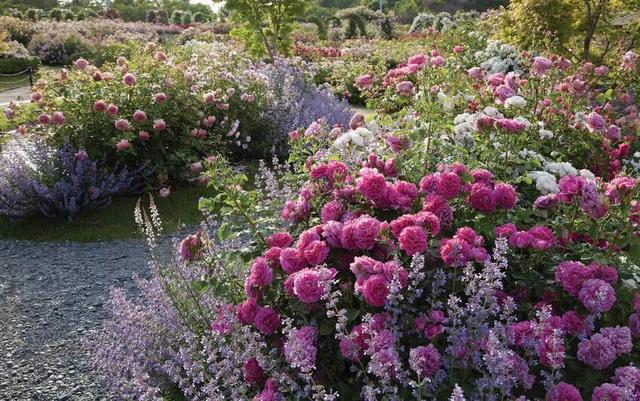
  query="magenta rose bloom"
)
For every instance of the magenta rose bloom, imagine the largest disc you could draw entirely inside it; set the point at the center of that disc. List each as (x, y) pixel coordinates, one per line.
(246, 311)
(563, 392)
(449, 185)
(571, 275)
(331, 211)
(375, 290)
(309, 284)
(505, 196)
(597, 352)
(620, 338)
(595, 122)
(253, 373)
(425, 361)
(280, 240)
(608, 392)
(542, 238)
(482, 199)
(292, 260)
(597, 295)
(316, 252)
(413, 240)
(505, 230)
(267, 320)
(261, 274)
(520, 239)
(371, 184)
(366, 232)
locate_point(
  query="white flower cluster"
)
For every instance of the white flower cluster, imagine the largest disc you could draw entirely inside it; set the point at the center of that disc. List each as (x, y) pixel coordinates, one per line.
(358, 137)
(499, 57)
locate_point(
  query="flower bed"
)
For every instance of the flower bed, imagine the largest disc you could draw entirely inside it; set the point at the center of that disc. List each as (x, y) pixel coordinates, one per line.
(479, 242)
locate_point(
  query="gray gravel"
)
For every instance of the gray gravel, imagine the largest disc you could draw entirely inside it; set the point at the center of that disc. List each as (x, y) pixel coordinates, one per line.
(51, 296)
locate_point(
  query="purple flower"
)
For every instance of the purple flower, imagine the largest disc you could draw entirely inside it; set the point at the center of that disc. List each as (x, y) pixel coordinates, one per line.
(597, 295)
(425, 361)
(563, 392)
(597, 352)
(300, 350)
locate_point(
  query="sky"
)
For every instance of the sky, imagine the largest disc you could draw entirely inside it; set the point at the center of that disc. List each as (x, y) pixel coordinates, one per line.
(214, 6)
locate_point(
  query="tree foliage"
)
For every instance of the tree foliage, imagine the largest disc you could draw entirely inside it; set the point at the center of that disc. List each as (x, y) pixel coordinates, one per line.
(266, 25)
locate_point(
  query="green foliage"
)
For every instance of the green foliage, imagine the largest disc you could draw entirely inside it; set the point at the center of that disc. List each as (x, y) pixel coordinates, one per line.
(11, 65)
(151, 16)
(186, 18)
(176, 17)
(56, 14)
(200, 17)
(266, 25)
(69, 15)
(162, 17)
(406, 10)
(33, 14)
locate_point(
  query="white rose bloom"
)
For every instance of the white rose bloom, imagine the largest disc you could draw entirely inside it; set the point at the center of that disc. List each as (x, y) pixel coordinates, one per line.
(587, 174)
(561, 169)
(492, 112)
(545, 182)
(447, 102)
(545, 134)
(460, 118)
(515, 101)
(524, 121)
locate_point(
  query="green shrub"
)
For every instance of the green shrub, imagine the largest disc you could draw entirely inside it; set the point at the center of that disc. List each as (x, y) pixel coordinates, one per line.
(186, 18)
(12, 65)
(33, 14)
(56, 14)
(81, 15)
(200, 17)
(151, 16)
(162, 17)
(20, 31)
(69, 15)
(176, 17)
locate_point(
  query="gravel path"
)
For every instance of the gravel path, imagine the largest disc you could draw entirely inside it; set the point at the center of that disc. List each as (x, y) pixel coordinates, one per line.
(18, 94)
(51, 296)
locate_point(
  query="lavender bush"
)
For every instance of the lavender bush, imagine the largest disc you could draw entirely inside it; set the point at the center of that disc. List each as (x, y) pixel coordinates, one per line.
(37, 179)
(295, 102)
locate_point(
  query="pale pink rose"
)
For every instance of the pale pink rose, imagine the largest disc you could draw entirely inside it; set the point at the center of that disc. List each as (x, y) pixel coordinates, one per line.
(159, 125)
(123, 145)
(165, 192)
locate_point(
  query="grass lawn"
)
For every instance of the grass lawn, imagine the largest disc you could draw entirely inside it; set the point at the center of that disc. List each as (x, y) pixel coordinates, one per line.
(113, 222)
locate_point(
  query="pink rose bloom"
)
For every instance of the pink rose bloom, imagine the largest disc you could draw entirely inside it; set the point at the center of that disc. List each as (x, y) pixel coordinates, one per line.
(438, 205)
(476, 73)
(597, 295)
(413, 240)
(595, 122)
(609, 392)
(81, 64)
(613, 133)
(425, 361)
(197, 168)
(331, 211)
(404, 88)
(505, 230)
(449, 185)
(356, 121)
(505, 196)
(482, 176)
(542, 238)
(429, 221)
(159, 125)
(36, 97)
(502, 93)
(620, 338)
(9, 113)
(402, 194)
(122, 125)
(260, 274)
(280, 240)
(253, 373)
(246, 311)
(100, 106)
(601, 70)
(458, 49)
(44, 119)
(375, 290)
(310, 285)
(520, 239)
(574, 324)
(563, 392)
(139, 116)
(570, 186)
(209, 98)
(437, 61)
(143, 136)
(58, 118)
(417, 59)
(510, 125)
(571, 275)
(267, 320)
(292, 260)
(454, 252)
(112, 110)
(597, 352)
(365, 232)
(129, 79)
(165, 192)
(482, 198)
(371, 184)
(123, 145)
(364, 81)
(316, 252)
(159, 97)
(541, 66)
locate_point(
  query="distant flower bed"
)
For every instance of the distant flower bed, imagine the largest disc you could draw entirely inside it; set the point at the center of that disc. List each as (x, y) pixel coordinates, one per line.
(165, 113)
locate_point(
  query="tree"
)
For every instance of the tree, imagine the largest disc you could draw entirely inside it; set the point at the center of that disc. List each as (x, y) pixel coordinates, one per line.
(266, 24)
